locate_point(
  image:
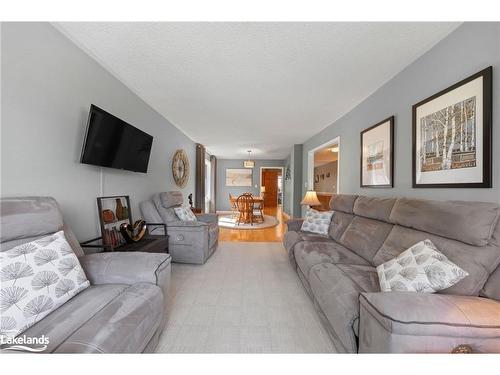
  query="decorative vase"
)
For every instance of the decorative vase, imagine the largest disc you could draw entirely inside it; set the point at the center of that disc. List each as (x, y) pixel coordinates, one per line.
(119, 209)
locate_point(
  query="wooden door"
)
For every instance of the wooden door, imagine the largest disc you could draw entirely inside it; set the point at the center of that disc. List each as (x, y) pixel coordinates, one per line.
(270, 181)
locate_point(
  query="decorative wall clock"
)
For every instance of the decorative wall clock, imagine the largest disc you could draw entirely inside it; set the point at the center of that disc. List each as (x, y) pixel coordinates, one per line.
(180, 168)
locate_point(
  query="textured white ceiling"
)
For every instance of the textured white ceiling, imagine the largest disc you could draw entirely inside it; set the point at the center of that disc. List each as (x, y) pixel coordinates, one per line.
(258, 86)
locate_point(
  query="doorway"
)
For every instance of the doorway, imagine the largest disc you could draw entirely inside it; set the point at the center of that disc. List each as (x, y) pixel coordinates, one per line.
(271, 186)
(323, 171)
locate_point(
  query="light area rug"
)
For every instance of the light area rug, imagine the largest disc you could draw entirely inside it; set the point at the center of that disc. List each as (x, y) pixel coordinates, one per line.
(245, 299)
(226, 221)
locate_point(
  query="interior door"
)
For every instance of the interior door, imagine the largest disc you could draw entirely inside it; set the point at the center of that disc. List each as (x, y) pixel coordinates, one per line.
(270, 182)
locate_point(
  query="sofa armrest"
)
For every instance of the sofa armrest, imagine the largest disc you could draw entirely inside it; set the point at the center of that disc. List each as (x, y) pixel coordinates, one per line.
(127, 268)
(186, 224)
(294, 224)
(207, 218)
(420, 322)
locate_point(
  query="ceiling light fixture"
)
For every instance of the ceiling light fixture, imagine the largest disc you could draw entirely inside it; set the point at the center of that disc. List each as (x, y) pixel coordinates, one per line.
(249, 163)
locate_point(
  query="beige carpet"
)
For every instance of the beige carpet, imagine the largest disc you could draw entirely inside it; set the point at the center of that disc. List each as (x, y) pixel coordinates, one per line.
(245, 299)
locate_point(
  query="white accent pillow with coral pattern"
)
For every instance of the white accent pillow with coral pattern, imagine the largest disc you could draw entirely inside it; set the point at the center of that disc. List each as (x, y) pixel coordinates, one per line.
(421, 268)
(36, 278)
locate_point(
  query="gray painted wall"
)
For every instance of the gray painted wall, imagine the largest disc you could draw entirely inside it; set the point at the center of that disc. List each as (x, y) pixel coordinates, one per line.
(47, 87)
(469, 49)
(293, 187)
(223, 190)
(326, 184)
(287, 187)
(297, 175)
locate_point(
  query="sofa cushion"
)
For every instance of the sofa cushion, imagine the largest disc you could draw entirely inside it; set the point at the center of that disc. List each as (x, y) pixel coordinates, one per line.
(36, 278)
(308, 254)
(336, 289)
(30, 218)
(469, 222)
(340, 222)
(374, 208)
(185, 214)
(343, 203)
(492, 287)
(317, 221)
(415, 322)
(167, 214)
(24, 218)
(171, 199)
(479, 262)
(421, 268)
(68, 318)
(125, 325)
(365, 236)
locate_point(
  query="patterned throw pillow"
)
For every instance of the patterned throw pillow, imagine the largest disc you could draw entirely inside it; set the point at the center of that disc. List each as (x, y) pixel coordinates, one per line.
(36, 278)
(317, 221)
(185, 214)
(421, 268)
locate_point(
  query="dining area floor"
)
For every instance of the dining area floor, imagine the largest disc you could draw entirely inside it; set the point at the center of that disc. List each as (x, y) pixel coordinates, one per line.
(273, 234)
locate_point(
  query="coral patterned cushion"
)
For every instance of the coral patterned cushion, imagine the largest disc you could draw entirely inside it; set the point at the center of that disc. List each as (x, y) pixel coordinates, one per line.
(36, 278)
(421, 268)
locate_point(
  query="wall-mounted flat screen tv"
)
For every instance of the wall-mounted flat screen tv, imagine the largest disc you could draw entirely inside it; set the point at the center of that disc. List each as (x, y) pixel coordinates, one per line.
(113, 143)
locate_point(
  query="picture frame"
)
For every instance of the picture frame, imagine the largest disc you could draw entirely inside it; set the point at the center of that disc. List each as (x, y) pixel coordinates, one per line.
(452, 135)
(239, 177)
(376, 169)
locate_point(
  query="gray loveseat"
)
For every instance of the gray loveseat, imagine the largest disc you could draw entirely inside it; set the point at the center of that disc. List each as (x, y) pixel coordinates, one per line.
(189, 241)
(338, 272)
(123, 310)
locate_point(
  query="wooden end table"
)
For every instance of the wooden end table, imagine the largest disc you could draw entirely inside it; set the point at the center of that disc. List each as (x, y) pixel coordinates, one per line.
(150, 243)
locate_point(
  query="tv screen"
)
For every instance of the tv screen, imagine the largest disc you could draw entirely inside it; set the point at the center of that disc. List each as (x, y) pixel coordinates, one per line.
(113, 143)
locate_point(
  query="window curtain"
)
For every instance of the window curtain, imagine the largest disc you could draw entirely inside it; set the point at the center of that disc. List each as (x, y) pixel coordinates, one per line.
(200, 177)
(213, 182)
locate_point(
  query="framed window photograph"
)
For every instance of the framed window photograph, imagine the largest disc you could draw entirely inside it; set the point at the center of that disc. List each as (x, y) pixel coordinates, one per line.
(239, 177)
(452, 139)
(377, 155)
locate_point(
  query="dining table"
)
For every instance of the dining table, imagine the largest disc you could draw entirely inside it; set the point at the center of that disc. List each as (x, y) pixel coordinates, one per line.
(247, 215)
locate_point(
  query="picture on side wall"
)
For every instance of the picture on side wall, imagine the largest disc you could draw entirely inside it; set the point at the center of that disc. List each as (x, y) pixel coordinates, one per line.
(452, 135)
(377, 155)
(238, 177)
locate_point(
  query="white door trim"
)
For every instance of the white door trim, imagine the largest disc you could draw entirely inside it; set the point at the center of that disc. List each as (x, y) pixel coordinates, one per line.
(310, 163)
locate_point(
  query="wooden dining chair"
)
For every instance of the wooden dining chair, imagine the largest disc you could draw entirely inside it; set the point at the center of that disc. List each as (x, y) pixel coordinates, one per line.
(234, 207)
(258, 213)
(245, 204)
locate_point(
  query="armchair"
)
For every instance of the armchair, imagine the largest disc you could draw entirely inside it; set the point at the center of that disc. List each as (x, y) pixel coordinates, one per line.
(124, 308)
(189, 241)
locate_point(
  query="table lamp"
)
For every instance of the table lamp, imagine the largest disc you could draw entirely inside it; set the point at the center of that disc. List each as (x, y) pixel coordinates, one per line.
(310, 199)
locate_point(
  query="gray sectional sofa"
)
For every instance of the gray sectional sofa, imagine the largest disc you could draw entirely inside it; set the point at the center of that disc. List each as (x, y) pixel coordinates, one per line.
(338, 272)
(189, 241)
(123, 310)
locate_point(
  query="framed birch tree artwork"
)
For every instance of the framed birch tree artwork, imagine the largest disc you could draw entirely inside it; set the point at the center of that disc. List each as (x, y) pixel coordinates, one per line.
(377, 155)
(452, 136)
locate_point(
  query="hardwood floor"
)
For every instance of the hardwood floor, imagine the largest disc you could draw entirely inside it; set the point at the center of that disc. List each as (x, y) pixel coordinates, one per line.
(274, 234)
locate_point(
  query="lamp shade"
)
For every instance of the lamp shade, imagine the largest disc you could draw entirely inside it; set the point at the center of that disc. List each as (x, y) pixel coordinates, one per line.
(262, 189)
(310, 199)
